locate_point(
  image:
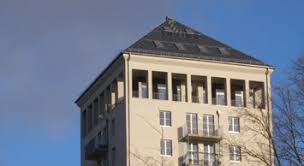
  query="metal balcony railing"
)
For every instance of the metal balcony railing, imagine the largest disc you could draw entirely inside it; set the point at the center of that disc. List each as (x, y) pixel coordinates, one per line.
(256, 104)
(97, 148)
(237, 103)
(199, 99)
(179, 97)
(160, 96)
(135, 94)
(199, 134)
(194, 159)
(216, 101)
(138, 95)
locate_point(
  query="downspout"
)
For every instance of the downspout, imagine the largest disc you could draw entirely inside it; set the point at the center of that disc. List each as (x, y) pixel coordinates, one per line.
(268, 114)
(128, 107)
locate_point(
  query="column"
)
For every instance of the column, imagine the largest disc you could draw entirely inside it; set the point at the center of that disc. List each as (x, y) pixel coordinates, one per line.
(169, 85)
(150, 86)
(209, 89)
(228, 92)
(189, 88)
(247, 100)
(120, 89)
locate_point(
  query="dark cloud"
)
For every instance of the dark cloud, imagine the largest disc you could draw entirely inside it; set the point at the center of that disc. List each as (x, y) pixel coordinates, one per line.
(51, 50)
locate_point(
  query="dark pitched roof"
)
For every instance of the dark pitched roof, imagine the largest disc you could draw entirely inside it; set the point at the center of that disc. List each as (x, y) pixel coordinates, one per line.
(172, 38)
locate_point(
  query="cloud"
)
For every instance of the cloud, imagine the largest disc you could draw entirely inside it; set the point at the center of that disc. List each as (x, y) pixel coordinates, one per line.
(51, 50)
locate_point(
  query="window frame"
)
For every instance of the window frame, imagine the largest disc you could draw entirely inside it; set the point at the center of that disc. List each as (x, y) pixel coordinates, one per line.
(164, 119)
(234, 149)
(233, 126)
(164, 147)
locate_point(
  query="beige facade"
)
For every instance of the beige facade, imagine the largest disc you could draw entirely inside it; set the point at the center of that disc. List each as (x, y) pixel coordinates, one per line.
(191, 104)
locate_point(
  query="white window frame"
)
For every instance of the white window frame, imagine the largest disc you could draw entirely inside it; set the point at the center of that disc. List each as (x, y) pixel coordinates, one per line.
(233, 125)
(165, 119)
(192, 153)
(210, 155)
(209, 118)
(192, 127)
(164, 148)
(234, 153)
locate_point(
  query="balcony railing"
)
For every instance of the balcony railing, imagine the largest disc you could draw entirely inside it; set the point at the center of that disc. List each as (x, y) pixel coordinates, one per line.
(199, 99)
(97, 148)
(208, 159)
(137, 95)
(160, 96)
(237, 103)
(200, 134)
(177, 97)
(256, 104)
(216, 101)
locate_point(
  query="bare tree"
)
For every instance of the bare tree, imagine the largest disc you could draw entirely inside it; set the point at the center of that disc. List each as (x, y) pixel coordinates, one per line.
(289, 117)
(257, 143)
(151, 160)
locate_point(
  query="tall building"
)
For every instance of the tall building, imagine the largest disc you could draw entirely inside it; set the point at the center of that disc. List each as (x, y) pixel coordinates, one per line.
(172, 99)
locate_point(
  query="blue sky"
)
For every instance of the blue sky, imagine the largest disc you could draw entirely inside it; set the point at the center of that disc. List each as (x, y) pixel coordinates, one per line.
(50, 50)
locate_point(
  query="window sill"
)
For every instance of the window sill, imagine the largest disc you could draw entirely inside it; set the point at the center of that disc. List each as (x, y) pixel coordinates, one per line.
(233, 132)
(233, 161)
(166, 155)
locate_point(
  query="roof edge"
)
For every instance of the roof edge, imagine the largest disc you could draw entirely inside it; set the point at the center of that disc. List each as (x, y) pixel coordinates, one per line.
(193, 58)
(99, 76)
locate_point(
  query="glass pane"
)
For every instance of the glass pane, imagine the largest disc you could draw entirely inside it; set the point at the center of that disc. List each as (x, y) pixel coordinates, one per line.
(161, 118)
(162, 147)
(211, 124)
(169, 147)
(230, 123)
(144, 90)
(236, 124)
(162, 91)
(168, 118)
(205, 130)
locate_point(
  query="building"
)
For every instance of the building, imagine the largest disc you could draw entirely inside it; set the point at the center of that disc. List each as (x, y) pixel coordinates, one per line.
(172, 98)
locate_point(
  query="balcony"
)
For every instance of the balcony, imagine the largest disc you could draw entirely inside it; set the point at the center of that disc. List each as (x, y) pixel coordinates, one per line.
(219, 101)
(237, 103)
(199, 135)
(160, 95)
(209, 159)
(199, 99)
(97, 148)
(178, 97)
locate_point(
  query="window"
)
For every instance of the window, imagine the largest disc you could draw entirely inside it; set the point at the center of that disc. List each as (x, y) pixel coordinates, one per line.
(239, 98)
(144, 90)
(235, 153)
(193, 153)
(209, 154)
(166, 147)
(113, 156)
(165, 118)
(90, 115)
(191, 121)
(162, 91)
(95, 112)
(84, 123)
(220, 96)
(113, 127)
(208, 125)
(234, 124)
